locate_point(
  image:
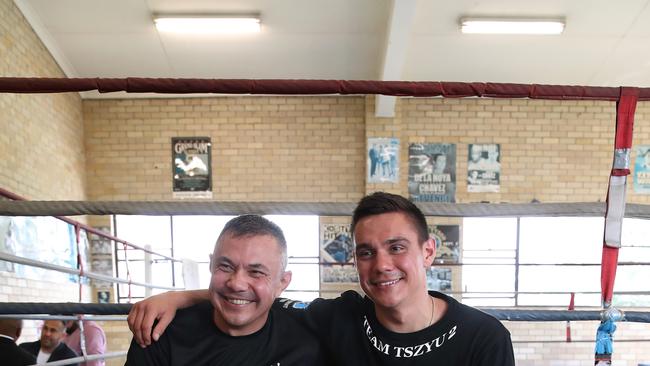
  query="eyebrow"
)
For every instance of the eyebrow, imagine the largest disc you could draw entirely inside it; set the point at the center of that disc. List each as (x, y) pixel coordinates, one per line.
(386, 242)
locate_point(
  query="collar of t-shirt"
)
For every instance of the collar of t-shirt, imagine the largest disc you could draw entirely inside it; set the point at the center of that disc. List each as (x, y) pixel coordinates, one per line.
(42, 357)
(8, 337)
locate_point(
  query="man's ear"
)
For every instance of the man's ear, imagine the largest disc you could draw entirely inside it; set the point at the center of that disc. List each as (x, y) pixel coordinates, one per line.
(285, 280)
(210, 267)
(429, 252)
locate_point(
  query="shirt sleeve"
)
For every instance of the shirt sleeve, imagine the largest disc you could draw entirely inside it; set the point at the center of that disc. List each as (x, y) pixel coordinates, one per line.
(153, 355)
(498, 350)
(95, 344)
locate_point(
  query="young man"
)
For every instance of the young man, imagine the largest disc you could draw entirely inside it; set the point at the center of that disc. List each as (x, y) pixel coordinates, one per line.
(50, 347)
(12, 355)
(399, 322)
(237, 326)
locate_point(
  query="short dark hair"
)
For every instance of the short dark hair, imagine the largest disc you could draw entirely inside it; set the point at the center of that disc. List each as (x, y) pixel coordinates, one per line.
(381, 202)
(255, 225)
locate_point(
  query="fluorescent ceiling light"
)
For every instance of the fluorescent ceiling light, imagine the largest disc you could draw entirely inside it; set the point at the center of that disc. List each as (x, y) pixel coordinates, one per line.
(511, 26)
(208, 24)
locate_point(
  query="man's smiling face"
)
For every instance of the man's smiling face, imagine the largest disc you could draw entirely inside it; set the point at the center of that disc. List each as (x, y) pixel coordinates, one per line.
(247, 276)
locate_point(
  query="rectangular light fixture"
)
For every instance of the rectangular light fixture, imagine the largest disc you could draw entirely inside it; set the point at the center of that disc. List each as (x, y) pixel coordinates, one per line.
(208, 24)
(511, 26)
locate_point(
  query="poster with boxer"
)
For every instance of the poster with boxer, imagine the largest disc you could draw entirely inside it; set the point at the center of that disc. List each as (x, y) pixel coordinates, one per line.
(383, 160)
(432, 172)
(642, 170)
(447, 240)
(483, 167)
(438, 279)
(192, 167)
(337, 254)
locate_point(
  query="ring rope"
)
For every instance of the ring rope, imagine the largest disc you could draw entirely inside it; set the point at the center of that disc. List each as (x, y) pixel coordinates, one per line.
(96, 276)
(72, 208)
(64, 317)
(89, 229)
(18, 308)
(313, 87)
(69, 361)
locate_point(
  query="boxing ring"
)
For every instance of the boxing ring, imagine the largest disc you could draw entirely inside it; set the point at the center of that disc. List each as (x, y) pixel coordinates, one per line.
(614, 209)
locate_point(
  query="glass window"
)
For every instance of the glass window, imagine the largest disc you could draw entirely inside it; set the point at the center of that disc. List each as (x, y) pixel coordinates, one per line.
(194, 238)
(557, 255)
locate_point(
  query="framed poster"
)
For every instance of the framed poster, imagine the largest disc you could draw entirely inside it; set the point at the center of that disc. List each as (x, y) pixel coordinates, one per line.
(432, 172)
(642, 170)
(383, 160)
(447, 241)
(337, 254)
(438, 279)
(483, 167)
(191, 167)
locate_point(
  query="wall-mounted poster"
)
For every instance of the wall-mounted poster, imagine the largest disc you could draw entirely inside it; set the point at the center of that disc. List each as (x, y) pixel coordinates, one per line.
(642, 170)
(447, 241)
(438, 279)
(191, 167)
(483, 167)
(432, 172)
(383, 160)
(337, 249)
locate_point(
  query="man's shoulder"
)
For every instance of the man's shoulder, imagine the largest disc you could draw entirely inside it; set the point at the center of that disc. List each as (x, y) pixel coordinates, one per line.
(197, 317)
(471, 316)
(31, 346)
(15, 353)
(346, 299)
(64, 351)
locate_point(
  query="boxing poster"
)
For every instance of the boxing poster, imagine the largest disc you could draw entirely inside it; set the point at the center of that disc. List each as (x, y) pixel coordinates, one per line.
(483, 167)
(438, 279)
(383, 160)
(337, 254)
(432, 173)
(642, 170)
(191, 167)
(447, 240)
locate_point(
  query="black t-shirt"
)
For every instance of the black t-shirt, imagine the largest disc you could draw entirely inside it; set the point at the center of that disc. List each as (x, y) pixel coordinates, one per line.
(351, 334)
(192, 338)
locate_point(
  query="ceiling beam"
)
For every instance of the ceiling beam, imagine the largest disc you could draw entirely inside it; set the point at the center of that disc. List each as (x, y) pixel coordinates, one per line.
(397, 40)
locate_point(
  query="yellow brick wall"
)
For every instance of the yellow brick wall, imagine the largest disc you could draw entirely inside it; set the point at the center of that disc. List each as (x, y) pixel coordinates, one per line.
(263, 148)
(41, 135)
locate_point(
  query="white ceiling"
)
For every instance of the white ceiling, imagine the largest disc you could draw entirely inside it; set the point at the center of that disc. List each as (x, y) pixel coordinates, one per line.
(606, 43)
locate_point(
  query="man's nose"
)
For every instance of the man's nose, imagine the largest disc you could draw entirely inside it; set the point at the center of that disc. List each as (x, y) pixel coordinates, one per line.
(238, 281)
(383, 261)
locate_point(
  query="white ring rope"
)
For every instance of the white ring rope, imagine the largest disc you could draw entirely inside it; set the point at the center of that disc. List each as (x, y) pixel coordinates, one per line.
(96, 276)
(79, 359)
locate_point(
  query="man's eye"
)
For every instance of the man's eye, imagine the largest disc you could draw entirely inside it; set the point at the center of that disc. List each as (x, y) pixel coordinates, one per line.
(364, 253)
(397, 248)
(258, 273)
(224, 268)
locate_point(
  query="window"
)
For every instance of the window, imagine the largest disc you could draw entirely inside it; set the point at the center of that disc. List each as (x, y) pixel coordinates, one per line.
(550, 257)
(193, 237)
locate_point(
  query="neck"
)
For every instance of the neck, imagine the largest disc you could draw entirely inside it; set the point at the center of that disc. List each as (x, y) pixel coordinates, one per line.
(409, 318)
(235, 331)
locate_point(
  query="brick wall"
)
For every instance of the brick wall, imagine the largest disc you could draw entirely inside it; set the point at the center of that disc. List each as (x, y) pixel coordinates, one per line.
(41, 138)
(263, 148)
